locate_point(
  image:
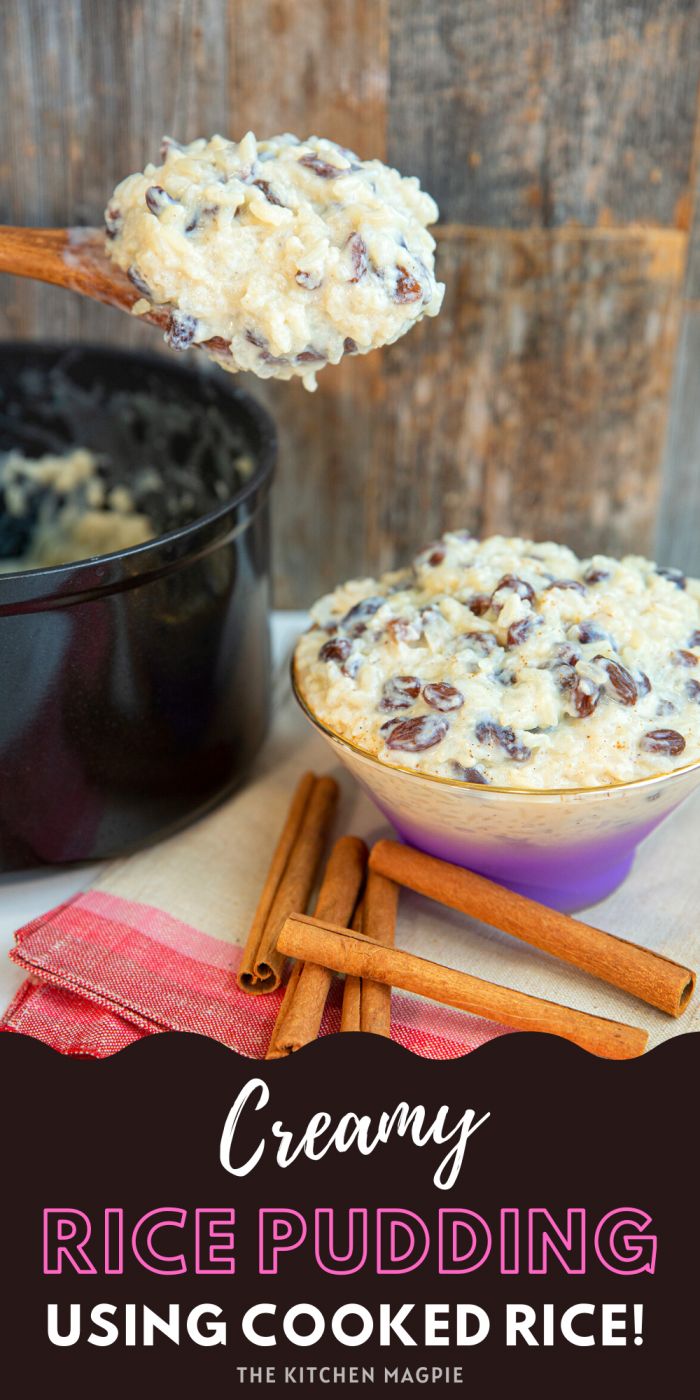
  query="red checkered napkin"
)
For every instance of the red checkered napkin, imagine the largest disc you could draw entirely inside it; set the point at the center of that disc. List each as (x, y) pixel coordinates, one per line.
(104, 970)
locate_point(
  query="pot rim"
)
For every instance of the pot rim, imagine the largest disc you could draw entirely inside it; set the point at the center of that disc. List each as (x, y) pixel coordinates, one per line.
(105, 573)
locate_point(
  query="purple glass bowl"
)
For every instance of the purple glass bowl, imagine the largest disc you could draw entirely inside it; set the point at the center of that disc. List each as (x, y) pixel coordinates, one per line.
(567, 848)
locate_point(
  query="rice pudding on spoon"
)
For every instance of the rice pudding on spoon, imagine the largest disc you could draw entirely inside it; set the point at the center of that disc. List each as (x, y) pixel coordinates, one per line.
(276, 256)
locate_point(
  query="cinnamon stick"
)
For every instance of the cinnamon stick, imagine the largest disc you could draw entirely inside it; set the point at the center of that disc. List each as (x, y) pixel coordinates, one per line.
(289, 881)
(351, 1014)
(645, 974)
(288, 835)
(300, 1019)
(381, 902)
(358, 956)
(273, 1050)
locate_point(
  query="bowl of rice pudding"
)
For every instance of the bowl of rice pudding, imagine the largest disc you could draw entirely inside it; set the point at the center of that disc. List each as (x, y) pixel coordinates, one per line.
(513, 708)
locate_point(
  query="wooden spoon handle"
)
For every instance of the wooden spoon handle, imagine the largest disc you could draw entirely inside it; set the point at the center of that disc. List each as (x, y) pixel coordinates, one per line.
(37, 252)
(76, 258)
(73, 258)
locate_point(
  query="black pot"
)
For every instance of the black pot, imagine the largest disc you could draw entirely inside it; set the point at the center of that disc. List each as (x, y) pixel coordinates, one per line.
(134, 688)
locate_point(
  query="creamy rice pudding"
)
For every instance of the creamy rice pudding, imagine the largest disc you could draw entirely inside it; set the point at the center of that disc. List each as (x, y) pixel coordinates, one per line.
(511, 663)
(57, 509)
(277, 256)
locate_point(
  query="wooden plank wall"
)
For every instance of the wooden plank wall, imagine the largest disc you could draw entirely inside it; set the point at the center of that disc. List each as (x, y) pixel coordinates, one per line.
(561, 140)
(678, 532)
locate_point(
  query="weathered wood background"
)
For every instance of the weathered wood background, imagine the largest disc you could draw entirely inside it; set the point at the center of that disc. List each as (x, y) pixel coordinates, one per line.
(559, 391)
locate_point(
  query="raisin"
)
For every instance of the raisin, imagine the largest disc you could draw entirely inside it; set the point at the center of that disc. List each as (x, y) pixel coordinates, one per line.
(114, 221)
(269, 359)
(479, 604)
(684, 658)
(674, 576)
(260, 343)
(358, 256)
(588, 632)
(356, 619)
(388, 725)
(694, 639)
(643, 683)
(349, 346)
(518, 632)
(218, 345)
(622, 684)
(400, 692)
(565, 654)
(468, 775)
(665, 707)
(134, 276)
(441, 696)
(585, 697)
(167, 145)
(594, 575)
(202, 216)
(337, 649)
(407, 288)
(320, 167)
(310, 280)
(430, 615)
(414, 735)
(181, 331)
(571, 583)
(693, 690)
(516, 585)
(566, 676)
(485, 642)
(662, 741)
(265, 188)
(488, 732)
(401, 630)
(351, 667)
(436, 557)
(158, 199)
(310, 356)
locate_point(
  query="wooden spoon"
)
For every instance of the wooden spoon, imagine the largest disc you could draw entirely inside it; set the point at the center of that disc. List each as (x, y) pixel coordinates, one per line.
(75, 258)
